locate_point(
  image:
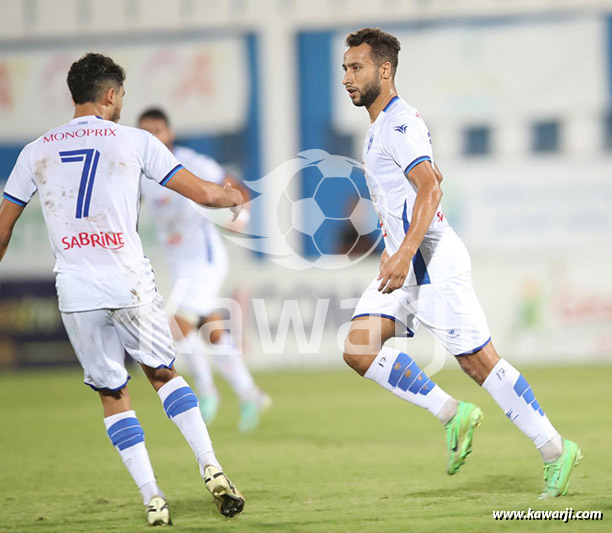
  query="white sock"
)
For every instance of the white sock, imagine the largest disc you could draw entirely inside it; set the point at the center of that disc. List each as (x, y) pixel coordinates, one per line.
(398, 372)
(181, 406)
(514, 395)
(552, 449)
(126, 434)
(230, 364)
(196, 359)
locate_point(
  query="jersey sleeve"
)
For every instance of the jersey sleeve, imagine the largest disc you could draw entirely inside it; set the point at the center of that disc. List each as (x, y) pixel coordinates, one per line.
(408, 146)
(20, 186)
(158, 163)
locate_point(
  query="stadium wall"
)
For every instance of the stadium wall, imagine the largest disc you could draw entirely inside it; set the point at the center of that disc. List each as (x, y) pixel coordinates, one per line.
(531, 200)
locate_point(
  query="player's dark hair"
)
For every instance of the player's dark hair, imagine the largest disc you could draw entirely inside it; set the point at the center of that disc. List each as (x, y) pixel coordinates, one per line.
(154, 113)
(384, 46)
(91, 75)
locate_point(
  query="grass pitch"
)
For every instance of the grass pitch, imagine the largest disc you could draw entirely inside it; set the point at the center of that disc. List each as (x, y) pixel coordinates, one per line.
(336, 453)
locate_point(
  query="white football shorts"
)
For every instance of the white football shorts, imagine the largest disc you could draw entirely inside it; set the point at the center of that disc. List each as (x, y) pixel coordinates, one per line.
(101, 337)
(205, 283)
(449, 310)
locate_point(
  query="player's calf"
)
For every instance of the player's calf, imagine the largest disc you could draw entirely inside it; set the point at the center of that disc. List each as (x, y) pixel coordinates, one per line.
(181, 406)
(392, 369)
(479, 365)
(514, 395)
(158, 377)
(398, 373)
(358, 362)
(127, 436)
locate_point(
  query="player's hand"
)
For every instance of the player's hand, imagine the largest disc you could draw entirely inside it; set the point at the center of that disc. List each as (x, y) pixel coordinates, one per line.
(394, 272)
(235, 195)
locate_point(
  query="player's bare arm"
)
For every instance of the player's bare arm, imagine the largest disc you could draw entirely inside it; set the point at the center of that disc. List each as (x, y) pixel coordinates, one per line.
(426, 179)
(206, 193)
(9, 213)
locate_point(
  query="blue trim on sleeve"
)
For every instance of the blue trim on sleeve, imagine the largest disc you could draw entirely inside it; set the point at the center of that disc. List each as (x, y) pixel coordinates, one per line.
(409, 332)
(390, 103)
(17, 201)
(170, 174)
(477, 349)
(416, 162)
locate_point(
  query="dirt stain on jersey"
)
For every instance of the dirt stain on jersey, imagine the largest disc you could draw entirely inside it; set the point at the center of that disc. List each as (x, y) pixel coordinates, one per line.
(40, 170)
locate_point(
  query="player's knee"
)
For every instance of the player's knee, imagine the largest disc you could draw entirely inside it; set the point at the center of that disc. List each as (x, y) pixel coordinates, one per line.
(470, 370)
(479, 365)
(212, 328)
(358, 353)
(349, 359)
(158, 377)
(181, 326)
(216, 335)
(111, 395)
(473, 368)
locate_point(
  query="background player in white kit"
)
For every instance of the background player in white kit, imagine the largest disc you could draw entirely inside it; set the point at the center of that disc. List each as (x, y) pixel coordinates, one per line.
(425, 275)
(195, 253)
(87, 173)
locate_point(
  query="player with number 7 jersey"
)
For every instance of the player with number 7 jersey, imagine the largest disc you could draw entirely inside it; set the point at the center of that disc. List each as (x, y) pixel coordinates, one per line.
(88, 175)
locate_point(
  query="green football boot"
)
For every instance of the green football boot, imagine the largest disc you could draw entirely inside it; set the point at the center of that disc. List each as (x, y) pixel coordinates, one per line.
(459, 434)
(209, 404)
(557, 473)
(249, 416)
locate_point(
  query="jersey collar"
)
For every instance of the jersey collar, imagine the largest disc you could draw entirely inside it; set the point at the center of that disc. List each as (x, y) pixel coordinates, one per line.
(390, 103)
(86, 118)
(381, 116)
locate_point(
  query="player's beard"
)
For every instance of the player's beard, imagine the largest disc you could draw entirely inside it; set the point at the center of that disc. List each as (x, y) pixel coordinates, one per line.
(369, 94)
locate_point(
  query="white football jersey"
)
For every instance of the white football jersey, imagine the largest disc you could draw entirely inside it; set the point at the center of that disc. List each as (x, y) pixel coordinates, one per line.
(189, 239)
(88, 173)
(396, 142)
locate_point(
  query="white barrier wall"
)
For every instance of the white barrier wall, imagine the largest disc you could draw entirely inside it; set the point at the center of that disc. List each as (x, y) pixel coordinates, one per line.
(203, 84)
(539, 227)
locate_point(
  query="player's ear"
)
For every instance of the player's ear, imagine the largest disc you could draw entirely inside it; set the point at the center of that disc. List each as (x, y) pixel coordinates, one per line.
(110, 96)
(385, 70)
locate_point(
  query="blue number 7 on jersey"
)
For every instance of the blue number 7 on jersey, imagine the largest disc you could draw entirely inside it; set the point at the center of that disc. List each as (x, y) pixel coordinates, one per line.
(87, 176)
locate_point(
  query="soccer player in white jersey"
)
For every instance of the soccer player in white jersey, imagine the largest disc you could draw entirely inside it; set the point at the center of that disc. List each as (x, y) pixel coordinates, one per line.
(425, 275)
(196, 254)
(87, 173)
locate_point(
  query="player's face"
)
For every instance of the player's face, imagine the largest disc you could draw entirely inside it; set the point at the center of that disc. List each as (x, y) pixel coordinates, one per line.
(362, 77)
(160, 129)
